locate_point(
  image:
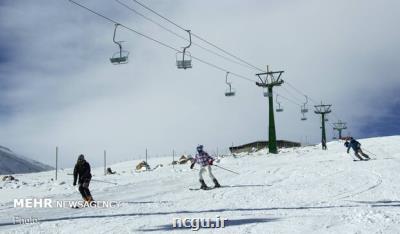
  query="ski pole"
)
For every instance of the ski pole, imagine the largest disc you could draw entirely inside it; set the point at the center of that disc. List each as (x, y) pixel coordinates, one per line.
(370, 152)
(102, 181)
(226, 169)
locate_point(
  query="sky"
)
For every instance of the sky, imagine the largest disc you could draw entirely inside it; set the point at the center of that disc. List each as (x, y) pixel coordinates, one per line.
(58, 88)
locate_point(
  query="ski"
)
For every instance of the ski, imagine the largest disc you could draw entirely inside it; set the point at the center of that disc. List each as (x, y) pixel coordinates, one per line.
(364, 160)
(208, 188)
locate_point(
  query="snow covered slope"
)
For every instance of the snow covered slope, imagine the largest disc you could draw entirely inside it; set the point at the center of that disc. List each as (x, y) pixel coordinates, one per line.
(10, 163)
(302, 190)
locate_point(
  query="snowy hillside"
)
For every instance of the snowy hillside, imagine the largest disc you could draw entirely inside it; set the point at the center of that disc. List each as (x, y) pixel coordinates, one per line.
(302, 190)
(10, 163)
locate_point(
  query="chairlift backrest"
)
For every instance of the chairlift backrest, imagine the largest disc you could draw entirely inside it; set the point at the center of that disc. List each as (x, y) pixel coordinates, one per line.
(183, 64)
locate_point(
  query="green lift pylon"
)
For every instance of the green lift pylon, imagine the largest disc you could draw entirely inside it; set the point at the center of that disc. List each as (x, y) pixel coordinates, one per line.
(268, 80)
(339, 126)
(323, 110)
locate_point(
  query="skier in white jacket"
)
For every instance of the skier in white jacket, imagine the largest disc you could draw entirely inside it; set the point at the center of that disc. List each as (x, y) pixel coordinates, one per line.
(205, 161)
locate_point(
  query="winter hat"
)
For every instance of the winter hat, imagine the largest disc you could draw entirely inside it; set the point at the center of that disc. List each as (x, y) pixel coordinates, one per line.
(81, 157)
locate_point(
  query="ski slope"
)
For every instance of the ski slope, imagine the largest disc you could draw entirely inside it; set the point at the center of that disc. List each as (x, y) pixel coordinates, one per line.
(302, 190)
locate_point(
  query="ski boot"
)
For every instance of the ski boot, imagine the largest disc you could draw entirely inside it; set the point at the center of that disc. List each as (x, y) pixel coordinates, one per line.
(217, 185)
(366, 157)
(203, 185)
(89, 201)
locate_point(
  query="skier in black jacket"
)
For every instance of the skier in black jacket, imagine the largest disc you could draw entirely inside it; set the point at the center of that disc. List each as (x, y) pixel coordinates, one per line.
(82, 169)
(356, 146)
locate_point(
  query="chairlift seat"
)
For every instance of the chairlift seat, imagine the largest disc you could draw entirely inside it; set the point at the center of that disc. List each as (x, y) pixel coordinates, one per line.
(304, 110)
(184, 64)
(120, 58)
(279, 110)
(303, 118)
(229, 93)
(266, 94)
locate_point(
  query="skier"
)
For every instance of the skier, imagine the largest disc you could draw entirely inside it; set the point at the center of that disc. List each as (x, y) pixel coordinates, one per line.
(82, 169)
(356, 146)
(205, 162)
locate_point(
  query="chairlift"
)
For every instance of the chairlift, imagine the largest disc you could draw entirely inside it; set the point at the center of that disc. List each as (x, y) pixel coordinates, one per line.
(304, 108)
(185, 63)
(265, 92)
(279, 109)
(303, 118)
(120, 57)
(229, 92)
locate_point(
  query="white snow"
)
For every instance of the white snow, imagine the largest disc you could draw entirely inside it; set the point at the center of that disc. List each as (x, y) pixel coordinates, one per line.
(11, 163)
(301, 190)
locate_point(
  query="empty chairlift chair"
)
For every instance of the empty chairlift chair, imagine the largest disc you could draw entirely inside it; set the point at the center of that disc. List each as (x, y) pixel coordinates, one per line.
(229, 92)
(186, 61)
(120, 57)
(304, 110)
(265, 92)
(279, 108)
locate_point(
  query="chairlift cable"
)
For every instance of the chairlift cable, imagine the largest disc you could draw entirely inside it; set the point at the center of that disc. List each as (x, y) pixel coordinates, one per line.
(219, 48)
(195, 35)
(288, 99)
(159, 42)
(199, 37)
(181, 37)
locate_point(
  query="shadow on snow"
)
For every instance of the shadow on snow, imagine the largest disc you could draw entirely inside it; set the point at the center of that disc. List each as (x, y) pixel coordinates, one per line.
(228, 223)
(235, 222)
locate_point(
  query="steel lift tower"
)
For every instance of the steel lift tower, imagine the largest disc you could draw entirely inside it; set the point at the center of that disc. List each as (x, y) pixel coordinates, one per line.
(268, 80)
(322, 110)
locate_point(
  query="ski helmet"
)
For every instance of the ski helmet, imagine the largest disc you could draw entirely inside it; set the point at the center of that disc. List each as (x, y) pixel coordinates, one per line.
(199, 148)
(81, 157)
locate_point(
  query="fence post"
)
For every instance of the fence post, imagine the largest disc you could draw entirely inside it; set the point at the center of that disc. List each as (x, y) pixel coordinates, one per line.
(56, 161)
(105, 162)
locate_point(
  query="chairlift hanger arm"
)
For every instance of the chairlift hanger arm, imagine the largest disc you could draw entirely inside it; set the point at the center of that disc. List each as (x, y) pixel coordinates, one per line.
(115, 32)
(226, 79)
(190, 43)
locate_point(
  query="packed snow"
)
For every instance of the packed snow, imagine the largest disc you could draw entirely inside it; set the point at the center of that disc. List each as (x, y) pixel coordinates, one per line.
(11, 163)
(300, 190)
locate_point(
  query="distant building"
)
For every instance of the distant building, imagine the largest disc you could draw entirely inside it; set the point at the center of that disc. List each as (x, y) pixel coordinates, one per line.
(255, 146)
